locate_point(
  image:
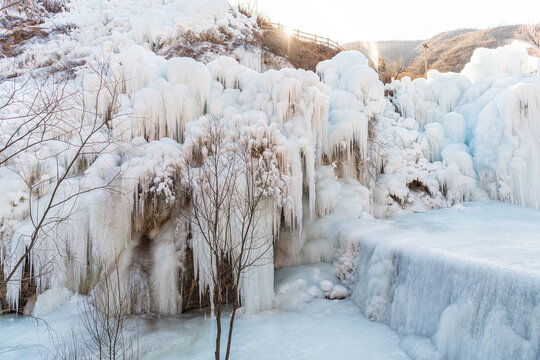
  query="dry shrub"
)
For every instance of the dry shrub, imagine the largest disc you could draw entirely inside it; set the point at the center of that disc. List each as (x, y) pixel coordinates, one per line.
(105, 331)
(53, 6)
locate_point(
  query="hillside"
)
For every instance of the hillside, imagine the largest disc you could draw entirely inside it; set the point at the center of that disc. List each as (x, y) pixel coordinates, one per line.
(448, 51)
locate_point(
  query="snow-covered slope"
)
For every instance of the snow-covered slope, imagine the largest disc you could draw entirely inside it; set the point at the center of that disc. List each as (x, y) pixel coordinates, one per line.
(90, 31)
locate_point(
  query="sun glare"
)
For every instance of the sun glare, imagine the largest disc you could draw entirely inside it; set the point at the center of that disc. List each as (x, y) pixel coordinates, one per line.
(289, 31)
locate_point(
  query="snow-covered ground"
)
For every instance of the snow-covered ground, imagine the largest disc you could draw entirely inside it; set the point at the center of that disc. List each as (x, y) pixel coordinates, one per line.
(304, 325)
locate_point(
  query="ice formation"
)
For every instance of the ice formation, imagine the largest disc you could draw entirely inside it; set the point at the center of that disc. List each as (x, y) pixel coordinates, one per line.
(491, 109)
(159, 102)
(452, 297)
(334, 146)
(336, 136)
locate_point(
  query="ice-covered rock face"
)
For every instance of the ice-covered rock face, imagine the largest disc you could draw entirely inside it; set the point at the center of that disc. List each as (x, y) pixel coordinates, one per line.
(341, 150)
(161, 102)
(492, 109)
(506, 147)
(287, 109)
(357, 97)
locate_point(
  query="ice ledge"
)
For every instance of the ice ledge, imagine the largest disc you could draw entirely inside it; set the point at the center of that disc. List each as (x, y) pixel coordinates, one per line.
(467, 279)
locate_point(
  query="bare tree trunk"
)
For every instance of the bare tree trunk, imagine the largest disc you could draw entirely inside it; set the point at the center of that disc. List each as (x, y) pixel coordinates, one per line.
(231, 326)
(218, 334)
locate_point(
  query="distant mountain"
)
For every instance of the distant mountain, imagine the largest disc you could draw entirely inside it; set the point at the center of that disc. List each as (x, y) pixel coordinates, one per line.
(448, 51)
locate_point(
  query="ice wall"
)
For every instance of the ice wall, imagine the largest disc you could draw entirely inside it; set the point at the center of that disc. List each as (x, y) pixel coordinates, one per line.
(453, 290)
(506, 146)
(343, 169)
(510, 59)
(160, 102)
(103, 226)
(481, 124)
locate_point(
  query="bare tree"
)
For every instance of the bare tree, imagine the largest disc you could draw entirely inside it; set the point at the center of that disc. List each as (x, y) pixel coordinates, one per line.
(30, 109)
(105, 321)
(49, 123)
(232, 184)
(262, 180)
(391, 71)
(105, 332)
(210, 168)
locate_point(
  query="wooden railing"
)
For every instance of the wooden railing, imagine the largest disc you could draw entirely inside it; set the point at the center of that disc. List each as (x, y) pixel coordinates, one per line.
(301, 35)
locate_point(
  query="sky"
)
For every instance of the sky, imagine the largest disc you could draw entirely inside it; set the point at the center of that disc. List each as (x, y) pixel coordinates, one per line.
(350, 20)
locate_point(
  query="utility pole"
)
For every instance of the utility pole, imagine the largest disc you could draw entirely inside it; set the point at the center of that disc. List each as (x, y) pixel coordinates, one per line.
(425, 57)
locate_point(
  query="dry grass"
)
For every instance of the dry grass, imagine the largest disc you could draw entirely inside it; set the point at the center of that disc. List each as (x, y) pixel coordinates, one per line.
(53, 6)
(195, 45)
(13, 44)
(301, 54)
(19, 29)
(530, 33)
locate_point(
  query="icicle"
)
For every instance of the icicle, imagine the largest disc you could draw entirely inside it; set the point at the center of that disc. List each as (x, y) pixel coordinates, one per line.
(148, 114)
(435, 137)
(193, 74)
(454, 125)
